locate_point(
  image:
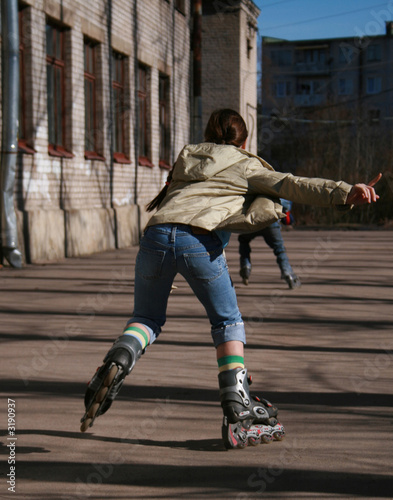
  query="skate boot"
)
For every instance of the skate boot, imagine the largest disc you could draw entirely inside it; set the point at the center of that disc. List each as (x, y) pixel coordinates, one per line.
(245, 270)
(247, 420)
(108, 379)
(292, 280)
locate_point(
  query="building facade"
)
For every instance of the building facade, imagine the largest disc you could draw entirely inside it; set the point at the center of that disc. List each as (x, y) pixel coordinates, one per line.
(346, 80)
(229, 60)
(313, 73)
(326, 110)
(105, 107)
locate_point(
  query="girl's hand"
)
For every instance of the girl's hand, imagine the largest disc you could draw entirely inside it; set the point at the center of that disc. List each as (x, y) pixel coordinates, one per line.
(363, 193)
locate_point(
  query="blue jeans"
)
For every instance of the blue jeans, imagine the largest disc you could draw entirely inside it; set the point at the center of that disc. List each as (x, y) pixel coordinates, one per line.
(168, 249)
(273, 238)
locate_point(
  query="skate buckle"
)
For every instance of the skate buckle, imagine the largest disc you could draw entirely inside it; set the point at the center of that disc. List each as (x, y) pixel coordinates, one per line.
(244, 413)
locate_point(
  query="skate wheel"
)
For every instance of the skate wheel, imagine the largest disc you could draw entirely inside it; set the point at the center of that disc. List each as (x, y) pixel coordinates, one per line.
(93, 410)
(86, 424)
(278, 436)
(111, 376)
(254, 441)
(101, 394)
(241, 445)
(266, 439)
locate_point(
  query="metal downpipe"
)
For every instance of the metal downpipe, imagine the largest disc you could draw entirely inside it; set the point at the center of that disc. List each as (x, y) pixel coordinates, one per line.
(10, 116)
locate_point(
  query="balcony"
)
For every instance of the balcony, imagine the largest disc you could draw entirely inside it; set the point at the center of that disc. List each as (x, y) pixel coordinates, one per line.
(312, 68)
(309, 100)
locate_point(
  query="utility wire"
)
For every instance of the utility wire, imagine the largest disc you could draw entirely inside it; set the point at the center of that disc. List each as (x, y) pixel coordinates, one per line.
(263, 6)
(322, 17)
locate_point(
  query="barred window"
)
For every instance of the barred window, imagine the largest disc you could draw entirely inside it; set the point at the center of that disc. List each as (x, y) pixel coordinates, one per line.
(143, 116)
(164, 105)
(22, 79)
(180, 6)
(25, 115)
(91, 112)
(120, 107)
(55, 73)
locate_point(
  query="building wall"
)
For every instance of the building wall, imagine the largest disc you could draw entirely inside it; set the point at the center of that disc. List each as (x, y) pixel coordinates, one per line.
(229, 61)
(248, 71)
(74, 206)
(70, 206)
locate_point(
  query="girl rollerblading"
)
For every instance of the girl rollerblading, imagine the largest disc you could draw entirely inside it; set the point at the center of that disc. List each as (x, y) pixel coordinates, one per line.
(214, 188)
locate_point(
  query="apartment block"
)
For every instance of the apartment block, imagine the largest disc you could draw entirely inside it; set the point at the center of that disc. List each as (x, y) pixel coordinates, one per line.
(351, 77)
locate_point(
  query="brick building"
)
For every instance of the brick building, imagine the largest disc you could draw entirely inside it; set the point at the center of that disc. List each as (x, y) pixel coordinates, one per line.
(229, 65)
(106, 97)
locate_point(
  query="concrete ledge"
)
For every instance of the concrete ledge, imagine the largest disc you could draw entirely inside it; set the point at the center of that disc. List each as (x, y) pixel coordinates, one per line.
(52, 235)
(127, 225)
(44, 235)
(89, 231)
(144, 217)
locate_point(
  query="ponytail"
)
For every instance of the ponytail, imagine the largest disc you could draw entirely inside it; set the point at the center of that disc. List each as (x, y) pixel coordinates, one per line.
(155, 202)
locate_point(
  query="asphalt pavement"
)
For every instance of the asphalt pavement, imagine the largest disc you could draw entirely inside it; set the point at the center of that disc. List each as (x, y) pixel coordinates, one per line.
(323, 353)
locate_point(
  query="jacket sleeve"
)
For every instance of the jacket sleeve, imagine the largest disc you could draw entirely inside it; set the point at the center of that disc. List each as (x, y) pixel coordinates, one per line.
(308, 190)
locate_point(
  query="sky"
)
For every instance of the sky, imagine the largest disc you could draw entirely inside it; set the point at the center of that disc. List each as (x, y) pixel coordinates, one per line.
(310, 19)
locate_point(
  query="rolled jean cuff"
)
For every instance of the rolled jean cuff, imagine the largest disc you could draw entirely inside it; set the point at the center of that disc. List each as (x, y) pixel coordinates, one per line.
(229, 332)
(152, 327)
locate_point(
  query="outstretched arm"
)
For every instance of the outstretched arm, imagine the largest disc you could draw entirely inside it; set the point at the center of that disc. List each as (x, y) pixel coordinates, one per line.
(363, 193)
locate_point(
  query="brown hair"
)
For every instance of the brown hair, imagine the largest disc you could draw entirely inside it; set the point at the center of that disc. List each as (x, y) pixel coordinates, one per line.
(225, 126)
(161, 195)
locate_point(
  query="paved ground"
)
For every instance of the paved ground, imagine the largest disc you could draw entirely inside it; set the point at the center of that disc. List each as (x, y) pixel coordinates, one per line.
(323, 353)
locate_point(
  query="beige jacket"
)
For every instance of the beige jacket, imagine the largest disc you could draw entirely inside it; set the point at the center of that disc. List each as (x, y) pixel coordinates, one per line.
(222, 187)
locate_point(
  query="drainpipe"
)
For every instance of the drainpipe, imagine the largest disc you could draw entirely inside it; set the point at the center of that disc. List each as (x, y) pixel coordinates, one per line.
(111, 121)
(10, 115)
(197, 72)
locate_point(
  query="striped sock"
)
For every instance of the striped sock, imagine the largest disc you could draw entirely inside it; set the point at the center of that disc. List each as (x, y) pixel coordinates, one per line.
(138, 333)
(230, 362)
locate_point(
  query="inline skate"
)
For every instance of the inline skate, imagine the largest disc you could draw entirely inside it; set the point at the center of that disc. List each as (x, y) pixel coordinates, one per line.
(245, 270)
(247, 419)
(108, 379)
(292, 280)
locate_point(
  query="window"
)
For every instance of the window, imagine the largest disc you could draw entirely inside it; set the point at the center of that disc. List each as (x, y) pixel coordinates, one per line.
(345, 86)
(374, 53)
(91, 121)
(165, 146)
(55, 73)
(281, 57)
(180, 5)
(282, 89)
(311, 56)
(374, 85)
(309, 87)
(119, 107)
(143, 110)
(22, 130)
(249, 48)
(22, 82)
(348, 53)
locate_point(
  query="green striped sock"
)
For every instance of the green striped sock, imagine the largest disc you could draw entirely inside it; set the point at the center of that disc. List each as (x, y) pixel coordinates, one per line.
(138, 333)
(230, 362)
